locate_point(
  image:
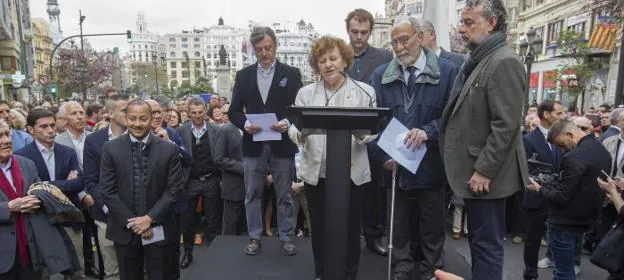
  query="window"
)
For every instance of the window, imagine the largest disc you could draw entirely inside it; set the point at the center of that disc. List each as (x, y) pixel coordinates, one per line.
(174, 64)
(184, 39)
(197, 65)
(146, 46)
(197, 73)
(197, 46)
(578, 28)
(172, 54)
(184, 45)
(172, 46)
(196, 40)
(174, 73)
(185, 74)
(553, 31)
(184, 54)
(197, 54)
(185, 64)
(172, 40)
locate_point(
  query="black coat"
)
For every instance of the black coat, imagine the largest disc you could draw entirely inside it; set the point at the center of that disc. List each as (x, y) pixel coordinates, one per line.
(576, 199)
(246, 99)
(164, 181)
(228, 156)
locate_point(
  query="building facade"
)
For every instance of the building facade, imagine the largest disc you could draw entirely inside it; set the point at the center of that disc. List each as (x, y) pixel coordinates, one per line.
(294, 48)
(55, 22)
(548, 18)
(186, 57)
(146, 48)
(42, 35)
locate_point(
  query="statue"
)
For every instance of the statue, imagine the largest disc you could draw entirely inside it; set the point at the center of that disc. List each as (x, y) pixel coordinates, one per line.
(222, 56)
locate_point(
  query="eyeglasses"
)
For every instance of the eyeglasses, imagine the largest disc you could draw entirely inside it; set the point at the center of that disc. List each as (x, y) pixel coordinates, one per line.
(403, 40)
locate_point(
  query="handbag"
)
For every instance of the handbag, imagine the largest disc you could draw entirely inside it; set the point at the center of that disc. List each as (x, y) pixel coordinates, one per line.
(609, 253)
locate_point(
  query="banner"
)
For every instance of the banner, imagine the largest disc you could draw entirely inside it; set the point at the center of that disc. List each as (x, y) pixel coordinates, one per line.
(604, 36)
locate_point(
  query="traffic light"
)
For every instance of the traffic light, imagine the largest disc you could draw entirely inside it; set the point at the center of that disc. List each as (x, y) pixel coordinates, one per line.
(145, 74)
(129, 36)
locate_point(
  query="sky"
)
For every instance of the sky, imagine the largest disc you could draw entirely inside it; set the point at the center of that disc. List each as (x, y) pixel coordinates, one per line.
(117, 16)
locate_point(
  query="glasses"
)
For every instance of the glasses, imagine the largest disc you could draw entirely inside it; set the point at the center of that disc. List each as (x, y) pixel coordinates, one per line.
(403, 40)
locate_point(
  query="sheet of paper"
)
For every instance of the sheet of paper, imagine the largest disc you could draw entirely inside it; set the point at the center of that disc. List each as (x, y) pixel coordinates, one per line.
(392, 142)
(265, 121)
(158, 235)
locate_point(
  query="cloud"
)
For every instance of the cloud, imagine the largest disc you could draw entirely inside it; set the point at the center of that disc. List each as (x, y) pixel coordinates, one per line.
(116, 16)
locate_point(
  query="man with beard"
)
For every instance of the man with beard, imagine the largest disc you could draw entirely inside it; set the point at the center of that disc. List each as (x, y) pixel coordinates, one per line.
(115, 106)
(140, 177)
(480, 133)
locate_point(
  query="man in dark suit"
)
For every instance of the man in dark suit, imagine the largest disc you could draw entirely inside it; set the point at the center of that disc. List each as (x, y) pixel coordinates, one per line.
(228, 157)
(576, 197)
(268, 86)
(58, 164)
(535, 145)
(430, 41)
(140, 178)
(17, 174)
(480, 133)
(360, 23)
(202, 180)
(94, 144)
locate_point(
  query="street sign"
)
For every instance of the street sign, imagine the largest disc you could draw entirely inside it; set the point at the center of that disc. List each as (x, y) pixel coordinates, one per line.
(43, 80)
(18, 78)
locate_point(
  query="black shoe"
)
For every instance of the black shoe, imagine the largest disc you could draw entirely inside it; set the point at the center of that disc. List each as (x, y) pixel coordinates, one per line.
(92, 272)
(187, 259)
(376, 247)
(399, 275)
(289, 248)
(253, 247)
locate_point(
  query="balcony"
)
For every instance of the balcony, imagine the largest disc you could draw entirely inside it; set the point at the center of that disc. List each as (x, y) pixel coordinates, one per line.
(6, 29)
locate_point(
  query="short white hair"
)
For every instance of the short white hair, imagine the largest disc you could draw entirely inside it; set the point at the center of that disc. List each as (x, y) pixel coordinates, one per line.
(62, 112)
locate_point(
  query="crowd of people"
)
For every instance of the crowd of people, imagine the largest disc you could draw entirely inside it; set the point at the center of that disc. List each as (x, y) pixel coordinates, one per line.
(155, 178)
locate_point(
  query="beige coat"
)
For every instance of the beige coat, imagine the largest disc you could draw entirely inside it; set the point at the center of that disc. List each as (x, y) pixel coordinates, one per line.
(314, 141)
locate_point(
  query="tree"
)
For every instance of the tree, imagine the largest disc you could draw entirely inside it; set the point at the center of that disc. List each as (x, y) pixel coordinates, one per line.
(458, 45)
(77, 70)
(578, 68)
(145, 77)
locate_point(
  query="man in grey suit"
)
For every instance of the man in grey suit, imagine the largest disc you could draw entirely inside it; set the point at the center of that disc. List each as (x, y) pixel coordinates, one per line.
(15, 207)
(199, 137)
(228, 157)
(480, 134)
(430, 41)
(367, 58)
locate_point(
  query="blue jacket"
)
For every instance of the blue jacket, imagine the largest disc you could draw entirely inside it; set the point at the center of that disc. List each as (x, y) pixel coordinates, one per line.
(20, 139)
(65, 160)
(535, 143)
(433, 87)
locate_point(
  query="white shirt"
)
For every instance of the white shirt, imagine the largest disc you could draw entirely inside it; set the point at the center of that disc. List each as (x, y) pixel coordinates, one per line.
(312, 157)
(544, 132)
(200, 133)
(6, 168)
(438, 52)
(420, 64)
(48, 159)
(79, 144)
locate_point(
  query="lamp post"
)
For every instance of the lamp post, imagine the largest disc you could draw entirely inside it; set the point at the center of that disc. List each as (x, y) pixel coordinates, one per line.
(530, 48)
(155, 60)
(84, 58)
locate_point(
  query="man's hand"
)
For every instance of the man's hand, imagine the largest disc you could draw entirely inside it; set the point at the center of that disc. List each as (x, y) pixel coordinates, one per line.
(27, 204)
(140, 224)
(441, 275)
(533, 186)
(72, 175)
(252, 129)
(148, 234)
(415, 137)
(297, 186)
(162, 133)
(479, 184)
(269, 180)
(88, 201)
(610, 188)
(281, 126)
(391, 165)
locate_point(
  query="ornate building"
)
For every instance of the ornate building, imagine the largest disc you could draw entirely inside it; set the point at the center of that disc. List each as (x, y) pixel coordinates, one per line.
(55, 23)
(146, 49)
(42, 34)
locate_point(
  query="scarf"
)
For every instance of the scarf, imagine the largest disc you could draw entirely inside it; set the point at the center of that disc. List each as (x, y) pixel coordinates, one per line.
(20, 224)
(496, 41)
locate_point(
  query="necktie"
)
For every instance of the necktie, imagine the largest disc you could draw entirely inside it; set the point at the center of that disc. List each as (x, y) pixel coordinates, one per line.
(411, 82)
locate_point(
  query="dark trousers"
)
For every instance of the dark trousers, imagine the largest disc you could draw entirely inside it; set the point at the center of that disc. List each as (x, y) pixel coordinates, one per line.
(535, 231)
(210, 193)
(486, 227)
(316, 203)
(89, 231)
(516, 216)
(20, 273)
(133, 256)
(563, 245)
(174, 256)
(419, 217)
(372, 203)
(233, 217)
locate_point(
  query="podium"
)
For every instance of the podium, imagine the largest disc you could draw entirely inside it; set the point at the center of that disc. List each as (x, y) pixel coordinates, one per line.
(339, 122)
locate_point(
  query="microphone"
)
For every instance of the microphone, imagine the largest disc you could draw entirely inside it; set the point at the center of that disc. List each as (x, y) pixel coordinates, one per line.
(370, 98)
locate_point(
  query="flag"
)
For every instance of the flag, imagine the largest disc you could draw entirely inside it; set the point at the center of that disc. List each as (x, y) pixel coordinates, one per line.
(604, 36)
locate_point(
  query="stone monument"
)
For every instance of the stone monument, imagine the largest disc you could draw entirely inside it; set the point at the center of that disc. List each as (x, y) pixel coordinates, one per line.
(224, 87)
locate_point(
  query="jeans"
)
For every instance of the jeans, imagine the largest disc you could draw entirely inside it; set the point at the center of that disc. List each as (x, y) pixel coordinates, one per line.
(563, 246)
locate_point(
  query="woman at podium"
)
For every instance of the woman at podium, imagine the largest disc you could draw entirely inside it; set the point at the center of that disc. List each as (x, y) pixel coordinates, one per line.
(331, 58)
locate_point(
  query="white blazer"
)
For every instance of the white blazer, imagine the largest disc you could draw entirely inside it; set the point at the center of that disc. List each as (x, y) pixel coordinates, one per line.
(313, 142)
